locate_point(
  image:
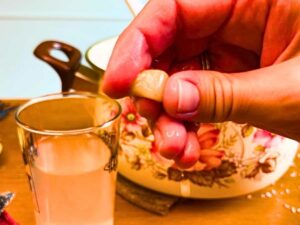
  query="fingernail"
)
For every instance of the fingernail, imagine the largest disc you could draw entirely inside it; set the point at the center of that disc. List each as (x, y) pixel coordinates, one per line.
(188, 97)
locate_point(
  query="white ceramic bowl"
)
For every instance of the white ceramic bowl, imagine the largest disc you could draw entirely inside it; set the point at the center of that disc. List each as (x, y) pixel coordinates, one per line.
(253, 158)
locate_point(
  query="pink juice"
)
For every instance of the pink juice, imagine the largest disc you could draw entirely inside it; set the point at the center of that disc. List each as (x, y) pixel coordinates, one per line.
(71, 185)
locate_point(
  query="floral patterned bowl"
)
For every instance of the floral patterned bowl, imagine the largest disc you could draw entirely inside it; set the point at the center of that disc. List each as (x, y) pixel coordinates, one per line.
(248, 158)
(251, 159)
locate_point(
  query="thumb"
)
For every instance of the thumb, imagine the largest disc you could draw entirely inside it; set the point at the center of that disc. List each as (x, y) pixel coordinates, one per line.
(268, 98)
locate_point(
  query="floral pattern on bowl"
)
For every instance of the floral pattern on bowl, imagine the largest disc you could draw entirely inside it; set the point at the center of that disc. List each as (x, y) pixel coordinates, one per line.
(230, 153)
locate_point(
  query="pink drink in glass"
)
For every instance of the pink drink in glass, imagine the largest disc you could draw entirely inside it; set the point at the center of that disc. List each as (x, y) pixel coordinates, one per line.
(69, 179)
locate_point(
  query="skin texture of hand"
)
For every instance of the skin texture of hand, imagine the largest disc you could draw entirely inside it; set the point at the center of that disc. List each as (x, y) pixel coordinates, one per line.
(253, 49)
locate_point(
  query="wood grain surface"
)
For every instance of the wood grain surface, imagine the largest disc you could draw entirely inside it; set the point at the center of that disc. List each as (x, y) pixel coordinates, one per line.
(271, 206)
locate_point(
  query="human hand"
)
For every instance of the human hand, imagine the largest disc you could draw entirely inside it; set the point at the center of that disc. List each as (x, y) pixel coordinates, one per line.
(252, 44)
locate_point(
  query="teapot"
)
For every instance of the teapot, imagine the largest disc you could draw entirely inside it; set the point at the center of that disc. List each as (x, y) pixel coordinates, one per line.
(251, 158)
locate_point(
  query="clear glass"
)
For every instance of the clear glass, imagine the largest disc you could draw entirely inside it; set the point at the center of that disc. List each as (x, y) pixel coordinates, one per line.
(69, 143)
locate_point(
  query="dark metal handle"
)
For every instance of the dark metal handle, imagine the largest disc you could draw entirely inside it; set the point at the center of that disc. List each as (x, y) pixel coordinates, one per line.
(66, 70)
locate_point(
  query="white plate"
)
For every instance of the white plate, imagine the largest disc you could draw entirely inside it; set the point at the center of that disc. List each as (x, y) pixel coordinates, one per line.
(98, 54)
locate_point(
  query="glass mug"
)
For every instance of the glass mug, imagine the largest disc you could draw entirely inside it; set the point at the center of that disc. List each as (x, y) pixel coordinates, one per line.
(69, 143)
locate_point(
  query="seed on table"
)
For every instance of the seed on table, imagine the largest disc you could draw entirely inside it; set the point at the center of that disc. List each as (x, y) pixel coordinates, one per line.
(269, 195)
(293, 209)
(287, 191)
(293, 174)
(274, 192)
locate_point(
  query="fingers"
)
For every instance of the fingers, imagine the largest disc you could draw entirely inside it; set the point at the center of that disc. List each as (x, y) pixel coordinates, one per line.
(160, 25)
(191, 152)
(170, 137)
(188, 149)
(172, 141)
(205, 96)
(148, 108)
(268, 98)
(152, 32)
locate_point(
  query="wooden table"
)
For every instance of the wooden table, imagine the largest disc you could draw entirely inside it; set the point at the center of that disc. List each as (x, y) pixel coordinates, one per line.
(257, 209)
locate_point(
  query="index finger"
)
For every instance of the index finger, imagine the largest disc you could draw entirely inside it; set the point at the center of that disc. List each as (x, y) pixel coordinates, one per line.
(161, 24)
(147, 36)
